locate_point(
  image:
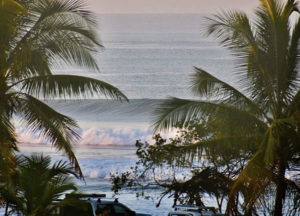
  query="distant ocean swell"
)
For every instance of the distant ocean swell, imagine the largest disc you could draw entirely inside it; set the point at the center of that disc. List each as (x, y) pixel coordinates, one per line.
(103, 122)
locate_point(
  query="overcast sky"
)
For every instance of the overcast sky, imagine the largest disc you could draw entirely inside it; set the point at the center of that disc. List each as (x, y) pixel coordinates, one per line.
(169, 6)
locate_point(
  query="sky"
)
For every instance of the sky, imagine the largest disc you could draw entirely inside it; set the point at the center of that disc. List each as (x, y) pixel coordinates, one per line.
(169, 6)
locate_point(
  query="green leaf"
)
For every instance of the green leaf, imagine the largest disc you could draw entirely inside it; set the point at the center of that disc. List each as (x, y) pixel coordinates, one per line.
(59, 129)
(69, 86)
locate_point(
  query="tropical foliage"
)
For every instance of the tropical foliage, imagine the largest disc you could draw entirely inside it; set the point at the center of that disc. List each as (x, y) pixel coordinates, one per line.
(185, 175)
(35, 187)
(261, 110)
(35, 37)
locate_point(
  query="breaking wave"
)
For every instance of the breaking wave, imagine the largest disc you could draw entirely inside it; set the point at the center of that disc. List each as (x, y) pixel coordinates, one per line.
(103, 122)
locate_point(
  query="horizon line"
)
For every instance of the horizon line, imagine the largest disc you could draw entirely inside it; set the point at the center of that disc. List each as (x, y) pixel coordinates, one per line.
(150, 13)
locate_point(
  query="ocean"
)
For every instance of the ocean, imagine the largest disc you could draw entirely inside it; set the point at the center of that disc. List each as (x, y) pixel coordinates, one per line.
(149, 58)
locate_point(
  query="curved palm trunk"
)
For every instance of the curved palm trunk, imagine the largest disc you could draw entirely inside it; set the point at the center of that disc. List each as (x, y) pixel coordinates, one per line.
(280, 187)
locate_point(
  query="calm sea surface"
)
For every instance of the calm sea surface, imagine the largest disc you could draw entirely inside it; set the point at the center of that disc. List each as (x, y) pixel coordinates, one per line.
(148, 57)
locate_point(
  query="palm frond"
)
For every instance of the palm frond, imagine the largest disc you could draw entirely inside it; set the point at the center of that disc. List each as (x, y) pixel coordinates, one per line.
(50, 20)
(36, 188)
(61, 168)
(7, 164)
(271, 144)
(70, 49)
(293, 80)
(10, 11)
(267, 51)
(49, 8)
(7, 131)
(274, 16)
(216, 148)
(69, 86)
(290, 7)
(234, 31)
(293, 109)
(175, 112)
(29, 62)
(53, 191)
(205, 84)
(252, 182)
(35, 36)
(59, 129)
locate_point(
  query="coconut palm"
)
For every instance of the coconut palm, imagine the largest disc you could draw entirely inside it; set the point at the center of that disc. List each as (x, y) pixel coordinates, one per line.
(35, 37)
(36, 186)
(262, 109)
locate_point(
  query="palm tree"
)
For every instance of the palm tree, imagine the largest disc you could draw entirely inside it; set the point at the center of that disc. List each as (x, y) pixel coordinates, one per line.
(35, 37)
(37, 185)
(263, 109)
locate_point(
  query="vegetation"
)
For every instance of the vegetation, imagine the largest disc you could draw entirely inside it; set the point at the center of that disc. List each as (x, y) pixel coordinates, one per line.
(251, 126)
(186, 175)
(240, 141)
(261, 110)
(36, 185)
(35, 37)
(186, 181)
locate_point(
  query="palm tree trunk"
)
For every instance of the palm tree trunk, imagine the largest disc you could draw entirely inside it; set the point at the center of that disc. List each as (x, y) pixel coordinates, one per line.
(280, 188)
(6, 209)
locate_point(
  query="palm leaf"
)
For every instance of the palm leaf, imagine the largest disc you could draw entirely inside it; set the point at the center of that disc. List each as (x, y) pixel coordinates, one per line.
(49, 20)
(276, 41)
(205, 84)
(220, 148)
(267, 51)
(49, 8)
(175, 112)
(252, 181)
(69, 86)
(52, 192)
(60, 130)
(35, 37)
(61, 168)
(293, 108)
(36, 188)
(234, 31)
(10, 10)
(7, 131)
(293, 81)
(30, 62)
